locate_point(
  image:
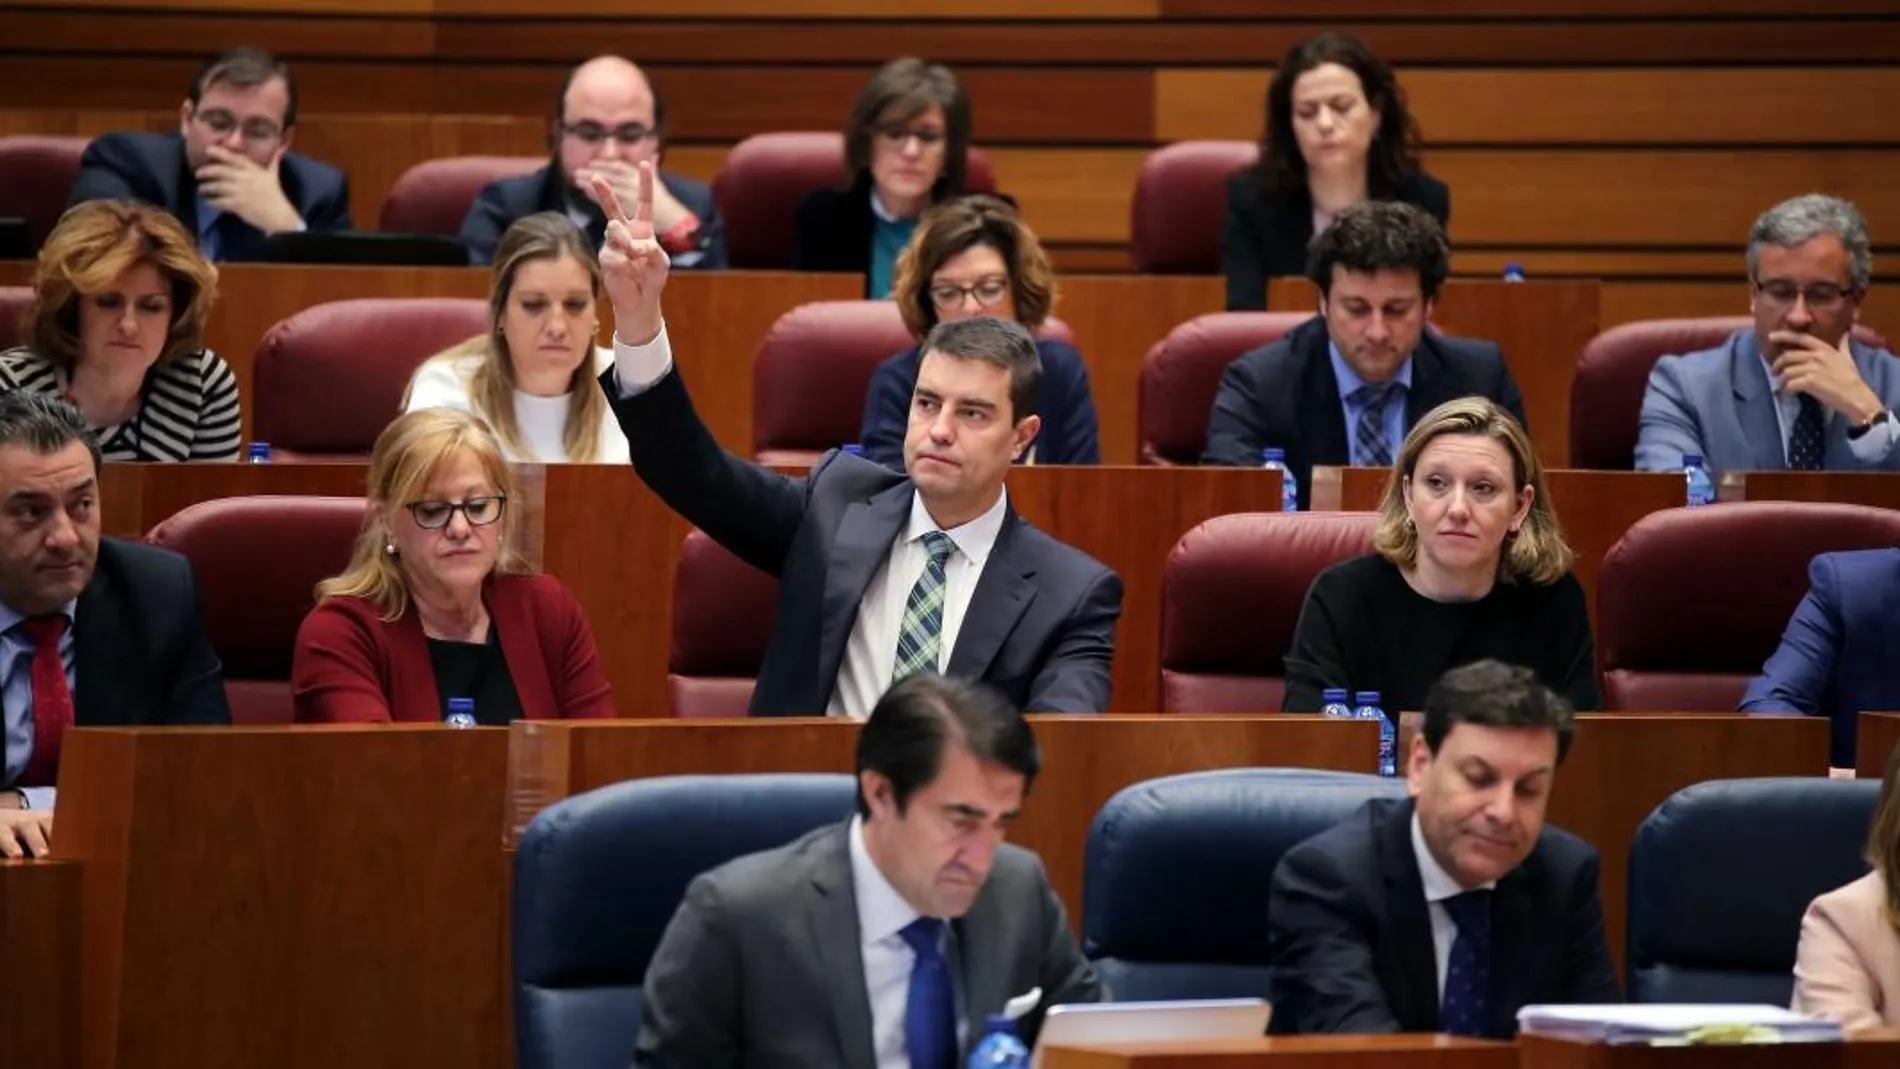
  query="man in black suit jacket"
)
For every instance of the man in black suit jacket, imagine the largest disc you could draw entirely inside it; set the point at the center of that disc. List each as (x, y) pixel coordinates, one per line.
(609, 117)
(228, 173)
(93, 632)
(989, 597)
(1345, 387)
(1451, 911)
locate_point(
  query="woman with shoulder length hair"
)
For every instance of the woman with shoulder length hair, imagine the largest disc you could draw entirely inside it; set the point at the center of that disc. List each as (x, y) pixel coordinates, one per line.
(1847, 964)
(531, 377)
(974, 256)
(1338, 132)
(1469, 563)
(120, 296)
(437, 603)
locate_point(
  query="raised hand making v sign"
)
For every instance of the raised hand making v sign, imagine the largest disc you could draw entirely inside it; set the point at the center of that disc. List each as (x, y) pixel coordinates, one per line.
(632, 261)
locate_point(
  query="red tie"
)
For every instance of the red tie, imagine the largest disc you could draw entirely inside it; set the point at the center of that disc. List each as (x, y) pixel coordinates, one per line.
(52, 700)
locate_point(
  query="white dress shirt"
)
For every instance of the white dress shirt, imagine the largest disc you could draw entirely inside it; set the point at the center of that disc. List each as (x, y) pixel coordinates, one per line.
(1870, 448)
(1439, 886)
(870, 654)
(540, 421)
(888, 960)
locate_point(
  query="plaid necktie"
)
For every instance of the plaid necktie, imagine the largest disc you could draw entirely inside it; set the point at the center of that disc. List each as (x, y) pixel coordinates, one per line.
(1807, 444)
(1466, 1007)
(920, 639)
(1369, 436)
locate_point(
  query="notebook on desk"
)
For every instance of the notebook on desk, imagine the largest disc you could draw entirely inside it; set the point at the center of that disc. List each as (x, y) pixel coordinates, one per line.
(1132, 1022)
(1676, 1024)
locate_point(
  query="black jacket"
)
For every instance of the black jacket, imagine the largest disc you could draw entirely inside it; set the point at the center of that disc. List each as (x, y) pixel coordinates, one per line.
(1265, 239)
(505, 200)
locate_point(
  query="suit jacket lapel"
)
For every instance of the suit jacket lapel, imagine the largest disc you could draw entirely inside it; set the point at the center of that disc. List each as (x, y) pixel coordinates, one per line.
(1411, 923)
(984, 991)
(1430, 381)
(835, 937)
(863, 544)
(1002, 592)
(103, 672)
(1513, 934)
(1754, 408)
(1322, 420)
(180, 187)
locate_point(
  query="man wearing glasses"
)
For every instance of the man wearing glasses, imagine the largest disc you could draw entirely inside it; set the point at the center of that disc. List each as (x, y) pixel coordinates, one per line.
(1797, 391)
(609, 118)
(228, 173)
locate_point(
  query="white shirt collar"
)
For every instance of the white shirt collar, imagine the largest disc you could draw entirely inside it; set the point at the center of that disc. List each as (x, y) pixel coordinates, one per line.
(878, 209)
(882, 912)
(1439, 884)
(974, 539)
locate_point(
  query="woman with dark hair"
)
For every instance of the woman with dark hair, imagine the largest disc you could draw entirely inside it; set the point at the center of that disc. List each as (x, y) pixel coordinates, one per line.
(904, 148)
(1337, 133)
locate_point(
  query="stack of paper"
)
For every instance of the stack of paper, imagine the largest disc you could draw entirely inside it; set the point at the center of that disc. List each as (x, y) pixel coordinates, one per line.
(1676, 1023)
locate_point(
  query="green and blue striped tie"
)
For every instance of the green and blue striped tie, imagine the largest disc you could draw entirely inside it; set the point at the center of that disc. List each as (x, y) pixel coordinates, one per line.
(920, 640)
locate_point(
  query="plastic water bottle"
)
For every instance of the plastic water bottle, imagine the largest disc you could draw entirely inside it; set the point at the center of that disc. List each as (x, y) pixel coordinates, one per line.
(1513, 272)
(257, 453)
(1701, 483)
(1273, 458)
(854, 449)
(1000, 1048)
(1368, 709)
(461, 713)
(1333, 703)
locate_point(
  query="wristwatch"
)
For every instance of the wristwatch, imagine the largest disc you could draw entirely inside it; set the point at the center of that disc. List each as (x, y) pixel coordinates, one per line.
(1873, 421)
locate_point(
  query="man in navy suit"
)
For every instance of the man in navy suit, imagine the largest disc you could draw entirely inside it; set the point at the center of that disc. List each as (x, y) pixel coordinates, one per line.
(228, 173)
(1344, 387)
(1796, 391)
(1840, 651)
(1450, 911)
(881, 573)
(609, 118)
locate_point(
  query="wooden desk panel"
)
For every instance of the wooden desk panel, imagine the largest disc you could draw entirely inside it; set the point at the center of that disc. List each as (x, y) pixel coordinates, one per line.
(1318, 1052)
(1874, 740)
(1875, 489)
(39, 936)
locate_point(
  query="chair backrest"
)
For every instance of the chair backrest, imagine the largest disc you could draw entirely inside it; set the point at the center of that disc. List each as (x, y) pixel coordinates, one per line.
(434, 196)
(328, 379)
(1720, 874)
(597, 879)
(36, 174)
(1180, 377)
(258, 561)
(1231, 593)
(1606, 397)
(1690, 602)
(1179, 204)
(813, 372)
(723, 610)
(766, 175)
(1174, 890)
(13, 302)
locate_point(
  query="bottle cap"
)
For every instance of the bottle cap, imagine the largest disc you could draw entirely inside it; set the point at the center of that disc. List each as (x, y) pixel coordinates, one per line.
(1691, 460)
(1333, 694)
(1366, 697)
(1273, 452)
(1000, 1023)
(854, 449)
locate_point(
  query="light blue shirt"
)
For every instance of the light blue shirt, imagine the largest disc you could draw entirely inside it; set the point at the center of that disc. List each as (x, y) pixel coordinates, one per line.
(16, 697)
(1350, 381)
(207, 234)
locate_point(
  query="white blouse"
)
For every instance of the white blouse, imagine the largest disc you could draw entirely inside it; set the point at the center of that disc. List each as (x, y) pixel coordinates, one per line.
(542, 421)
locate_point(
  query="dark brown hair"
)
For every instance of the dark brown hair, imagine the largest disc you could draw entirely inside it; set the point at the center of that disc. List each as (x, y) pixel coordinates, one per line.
(1393, 156)
(961, 224)
(924, 714)
(246, 67)
(902, 89)
(1494, 694)
(1377, 235)
(994, 340)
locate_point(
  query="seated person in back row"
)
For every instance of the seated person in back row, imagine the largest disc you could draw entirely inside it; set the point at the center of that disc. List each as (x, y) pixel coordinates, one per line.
(228, 173)
(1453, 910)
(608, 118)
(1345, 386)
(94, 632)
(1796, 391)
(973, 256)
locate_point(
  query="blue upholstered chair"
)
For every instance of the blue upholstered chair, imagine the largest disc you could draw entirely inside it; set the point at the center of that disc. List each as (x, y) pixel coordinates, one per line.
(1720, 874)
(1174, 896)
(599, 875)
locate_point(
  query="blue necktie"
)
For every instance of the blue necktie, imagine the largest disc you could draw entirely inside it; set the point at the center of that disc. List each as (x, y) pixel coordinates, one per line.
(1466, 1010)
(1807, 439)
(930, 1013)
(1369, 436)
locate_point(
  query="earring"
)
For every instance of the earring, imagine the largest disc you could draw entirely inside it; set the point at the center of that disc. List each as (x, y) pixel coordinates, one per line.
(389, 548)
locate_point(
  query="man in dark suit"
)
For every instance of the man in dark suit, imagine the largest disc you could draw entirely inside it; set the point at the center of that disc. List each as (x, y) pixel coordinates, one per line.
(881, 573)
(608, 119)
(93, 631)
(228, 173)
(1451, 911)
(1344, 387)
(887, 940)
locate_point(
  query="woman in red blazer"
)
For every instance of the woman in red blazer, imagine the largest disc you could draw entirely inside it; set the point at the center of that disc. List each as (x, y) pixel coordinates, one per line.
(437, 605)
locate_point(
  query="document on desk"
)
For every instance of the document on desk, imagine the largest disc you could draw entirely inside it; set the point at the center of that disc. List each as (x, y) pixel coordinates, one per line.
(1676, 1023)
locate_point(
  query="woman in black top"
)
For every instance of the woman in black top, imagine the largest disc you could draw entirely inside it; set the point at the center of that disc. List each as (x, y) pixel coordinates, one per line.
(1338, 133)
(1470, 564)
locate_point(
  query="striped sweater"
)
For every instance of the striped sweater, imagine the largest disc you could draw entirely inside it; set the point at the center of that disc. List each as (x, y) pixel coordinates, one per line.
(190, 411)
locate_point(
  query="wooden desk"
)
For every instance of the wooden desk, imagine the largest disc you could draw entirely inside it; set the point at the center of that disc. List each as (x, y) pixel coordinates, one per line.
(1877, 489)
(1538, 1052)
(1874, 739)
(1319, 1052)
(1085, 760)
(39, 936)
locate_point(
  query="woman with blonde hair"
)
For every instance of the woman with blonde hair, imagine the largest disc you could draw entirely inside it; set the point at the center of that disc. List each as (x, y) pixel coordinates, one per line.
(1847, 965)
(531, 377)
(437, 603)
(120, 296)
(1469, 563)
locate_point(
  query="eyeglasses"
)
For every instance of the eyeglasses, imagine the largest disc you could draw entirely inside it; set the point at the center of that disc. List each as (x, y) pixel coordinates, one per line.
(1820, 297)
(593, 133)
(221, 123)
(478, 511)
(896, 134)
(989, 293)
